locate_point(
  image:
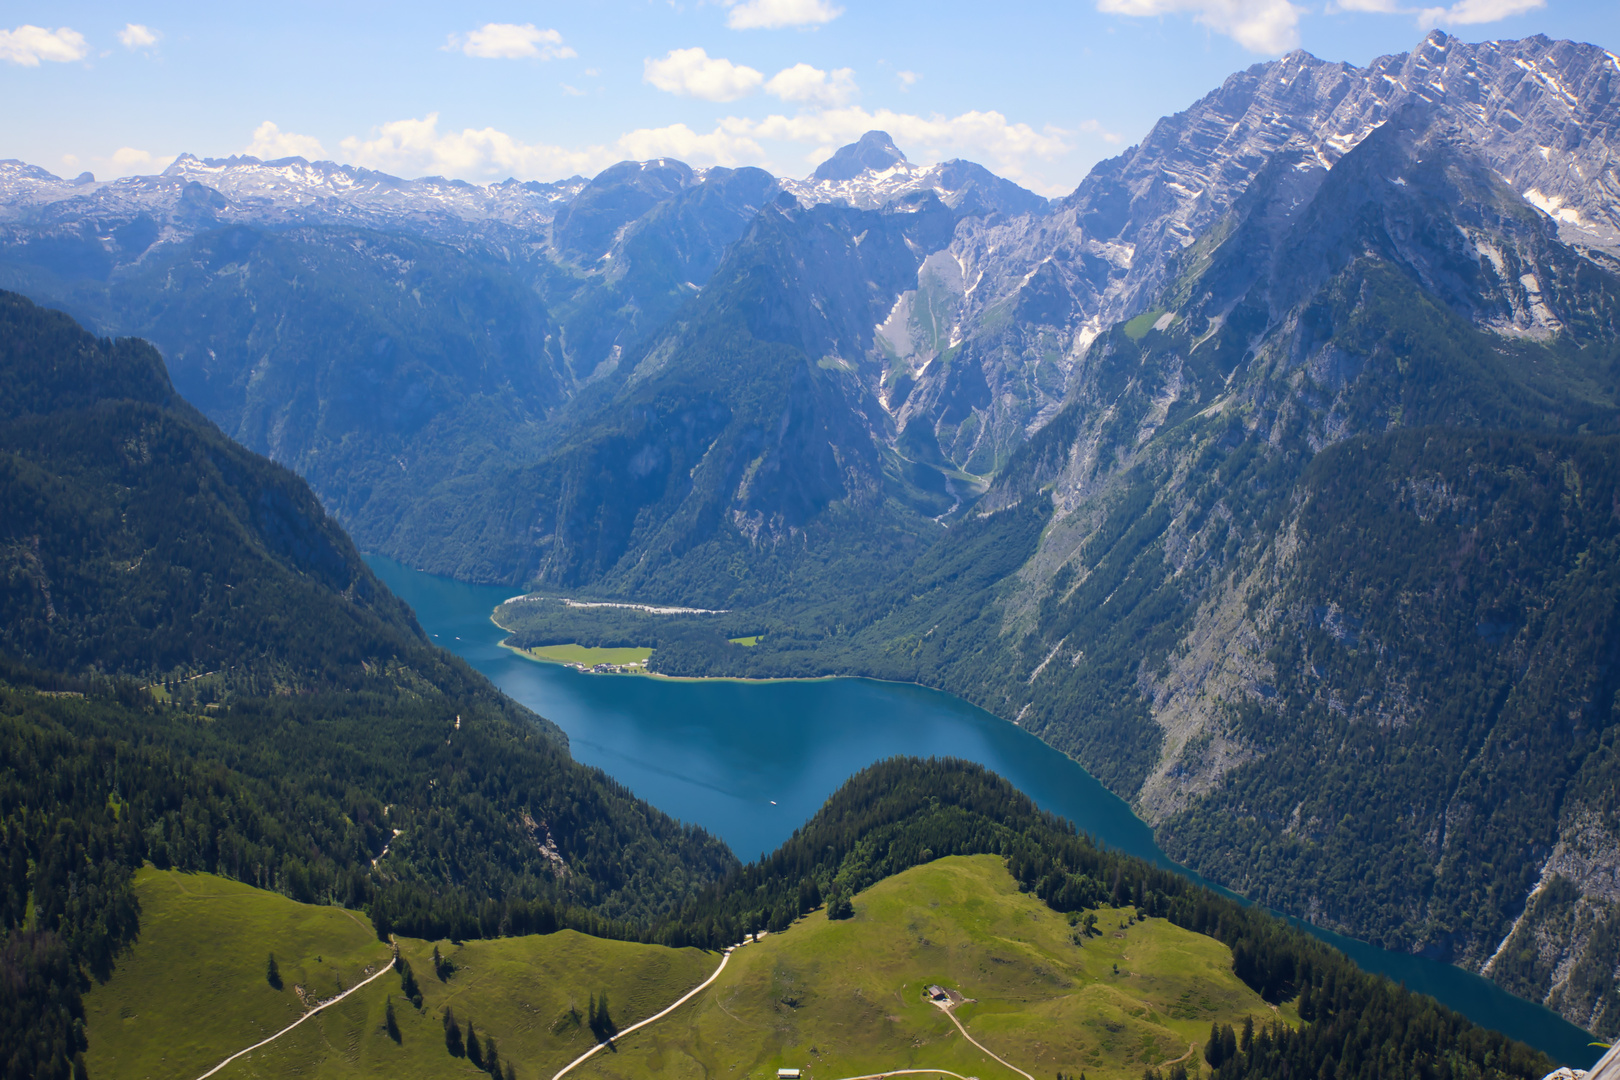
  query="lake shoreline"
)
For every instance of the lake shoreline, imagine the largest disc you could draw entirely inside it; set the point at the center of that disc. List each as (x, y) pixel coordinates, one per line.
(650, 674)
(660, 676)
(723, 756)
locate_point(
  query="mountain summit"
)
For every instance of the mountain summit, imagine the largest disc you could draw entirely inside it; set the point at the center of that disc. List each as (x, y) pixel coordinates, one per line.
(873, 152)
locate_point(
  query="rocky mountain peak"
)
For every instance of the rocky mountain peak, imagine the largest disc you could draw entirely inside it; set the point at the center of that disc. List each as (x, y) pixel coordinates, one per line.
(873, 152)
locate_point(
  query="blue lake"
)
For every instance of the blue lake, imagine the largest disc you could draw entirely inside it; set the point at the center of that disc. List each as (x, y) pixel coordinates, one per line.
(752, 761)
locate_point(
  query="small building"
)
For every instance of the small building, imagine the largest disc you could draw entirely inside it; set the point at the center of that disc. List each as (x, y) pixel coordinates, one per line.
(938, 993)
(787, 1074)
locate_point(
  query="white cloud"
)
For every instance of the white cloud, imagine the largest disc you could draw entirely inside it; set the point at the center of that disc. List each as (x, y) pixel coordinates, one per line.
(1262, 26)
(130, 161)
(136, 36)
(418, 148)
(777, 14)
(270, 143)
(571, 91)
(1470, 12)
(694, 73)
(1461, 13)
(808, 85)
(1094, 127)
(718, 147)
(509, 41)
(1007, 148)
(28, 45)
(906, 79)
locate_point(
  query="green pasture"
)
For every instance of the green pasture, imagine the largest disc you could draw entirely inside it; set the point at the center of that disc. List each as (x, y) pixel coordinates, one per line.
(841, 999)
(587, 655)
(837, 999)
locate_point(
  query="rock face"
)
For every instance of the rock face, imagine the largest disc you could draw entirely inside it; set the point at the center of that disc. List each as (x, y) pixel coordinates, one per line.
(1564, 948)
(1036, 290)
(872, 152)
(872, 173)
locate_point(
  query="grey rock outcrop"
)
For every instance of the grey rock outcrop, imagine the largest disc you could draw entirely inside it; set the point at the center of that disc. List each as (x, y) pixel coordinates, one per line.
(1037, 290)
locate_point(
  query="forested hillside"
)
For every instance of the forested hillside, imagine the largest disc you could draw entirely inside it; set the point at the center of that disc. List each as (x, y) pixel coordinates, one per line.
(200, 671)
(905, 812)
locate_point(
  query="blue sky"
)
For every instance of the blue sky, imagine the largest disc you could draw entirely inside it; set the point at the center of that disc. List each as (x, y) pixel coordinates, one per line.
(1037, 91)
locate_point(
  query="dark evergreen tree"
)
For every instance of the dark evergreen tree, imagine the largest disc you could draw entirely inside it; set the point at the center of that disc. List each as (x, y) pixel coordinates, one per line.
(390, 1024)
(475, 1051)
(407, 980)
(452, 1034)
(442, 967)
(272, 974)
(600, 1019)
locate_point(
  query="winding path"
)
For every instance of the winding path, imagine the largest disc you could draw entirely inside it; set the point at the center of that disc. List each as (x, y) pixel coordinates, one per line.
(946, 1009)
(386, 968)
(1192, 1048)
(689, 995)
(911, 1072)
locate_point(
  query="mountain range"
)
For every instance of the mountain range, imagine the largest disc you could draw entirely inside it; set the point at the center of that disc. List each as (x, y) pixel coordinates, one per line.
(333, 777)
(1271, 473)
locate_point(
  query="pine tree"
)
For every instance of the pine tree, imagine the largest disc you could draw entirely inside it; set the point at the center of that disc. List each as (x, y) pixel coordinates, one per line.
(452, 1034)
(272, 974)
(442, 967)
(475, 1052)
(390, 1024)
(601, 1020)
(407, 981)
(511, 1073)
(492, 1057)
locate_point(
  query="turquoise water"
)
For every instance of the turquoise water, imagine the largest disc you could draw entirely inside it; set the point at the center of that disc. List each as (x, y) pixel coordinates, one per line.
(750, 762)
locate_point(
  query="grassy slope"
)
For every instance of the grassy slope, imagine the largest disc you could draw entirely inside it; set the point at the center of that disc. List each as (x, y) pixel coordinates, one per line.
(845, 998)
(193, 990)
(583, 654)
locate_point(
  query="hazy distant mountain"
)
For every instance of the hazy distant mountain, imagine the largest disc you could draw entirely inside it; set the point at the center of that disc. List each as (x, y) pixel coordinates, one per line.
(872, 172)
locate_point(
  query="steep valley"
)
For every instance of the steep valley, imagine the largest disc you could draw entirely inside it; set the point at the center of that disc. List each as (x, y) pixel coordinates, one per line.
(1271, 474)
